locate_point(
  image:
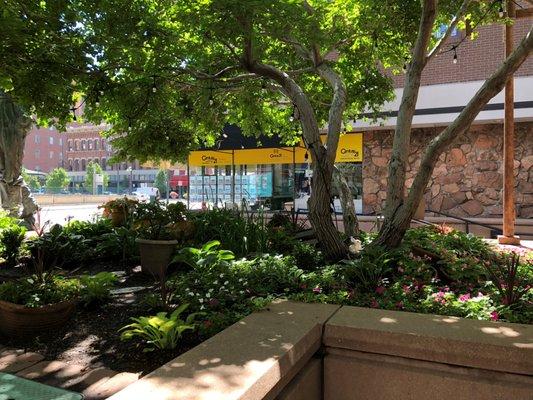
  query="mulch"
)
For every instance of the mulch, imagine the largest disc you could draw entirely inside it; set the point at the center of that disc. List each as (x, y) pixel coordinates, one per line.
(92, 339)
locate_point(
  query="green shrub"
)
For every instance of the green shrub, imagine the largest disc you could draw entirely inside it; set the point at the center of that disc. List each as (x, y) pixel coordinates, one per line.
(206, 257)
(160, 332)
(36, 291)
(11, 239)
(95, 289)
(307, 257)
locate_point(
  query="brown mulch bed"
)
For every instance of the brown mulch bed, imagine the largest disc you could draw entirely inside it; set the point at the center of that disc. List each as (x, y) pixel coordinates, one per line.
(91, 337)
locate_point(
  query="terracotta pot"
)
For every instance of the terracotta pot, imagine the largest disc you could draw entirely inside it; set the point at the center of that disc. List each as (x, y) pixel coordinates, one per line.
(156, 255)
(118, 217)
(20, 321)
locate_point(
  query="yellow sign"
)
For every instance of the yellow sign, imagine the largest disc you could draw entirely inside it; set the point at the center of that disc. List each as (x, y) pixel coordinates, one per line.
(210, 158)
(349, 150)
(282, 155)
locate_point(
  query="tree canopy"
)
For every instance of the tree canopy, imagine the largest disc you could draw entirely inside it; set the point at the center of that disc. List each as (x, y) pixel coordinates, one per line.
(57, 180)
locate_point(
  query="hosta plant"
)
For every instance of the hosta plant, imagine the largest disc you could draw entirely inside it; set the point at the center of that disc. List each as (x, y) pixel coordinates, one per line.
(161, 331)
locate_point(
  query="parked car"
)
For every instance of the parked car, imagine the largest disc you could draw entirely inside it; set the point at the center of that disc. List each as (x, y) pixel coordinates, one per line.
(144, 194)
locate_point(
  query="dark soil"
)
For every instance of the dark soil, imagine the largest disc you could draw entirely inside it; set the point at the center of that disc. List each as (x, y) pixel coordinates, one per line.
(91, 337)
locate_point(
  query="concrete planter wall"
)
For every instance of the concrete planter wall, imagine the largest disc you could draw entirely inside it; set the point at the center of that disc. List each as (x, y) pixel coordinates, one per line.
(295, 351)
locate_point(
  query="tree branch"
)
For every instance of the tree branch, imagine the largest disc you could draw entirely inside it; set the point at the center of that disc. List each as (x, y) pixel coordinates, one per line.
(453, 24)
(402, 133)
(491, 88)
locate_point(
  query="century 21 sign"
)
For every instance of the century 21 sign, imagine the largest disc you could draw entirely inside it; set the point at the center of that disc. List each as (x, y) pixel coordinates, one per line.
(349, 150)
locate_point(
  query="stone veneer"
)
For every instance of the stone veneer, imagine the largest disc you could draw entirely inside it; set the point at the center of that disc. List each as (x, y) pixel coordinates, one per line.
(468, 178)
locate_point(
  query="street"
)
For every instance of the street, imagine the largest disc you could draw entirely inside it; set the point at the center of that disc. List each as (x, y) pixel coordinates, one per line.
(61, 214)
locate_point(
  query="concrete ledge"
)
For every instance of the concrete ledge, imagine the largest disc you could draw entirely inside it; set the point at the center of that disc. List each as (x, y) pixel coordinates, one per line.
(253, 359)
(448, 340)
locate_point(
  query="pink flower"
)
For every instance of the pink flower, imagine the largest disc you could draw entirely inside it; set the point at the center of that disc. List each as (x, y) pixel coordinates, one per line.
(214, 303)
(380, 290)
(303, 286)
(317, 290)
(374, 304)
(494, 316)
(399, 305)
(464, 297)
(400, 270)
(406, 289)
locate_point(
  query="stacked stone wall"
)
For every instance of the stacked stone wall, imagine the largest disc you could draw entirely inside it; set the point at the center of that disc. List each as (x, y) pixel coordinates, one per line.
(468, 178)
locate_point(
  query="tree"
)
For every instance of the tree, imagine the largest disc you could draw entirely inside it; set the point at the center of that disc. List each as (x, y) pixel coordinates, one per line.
(91, 170)
(160, 181)
(31, 180)
(57, 180)
(168, 75)
(400, 207)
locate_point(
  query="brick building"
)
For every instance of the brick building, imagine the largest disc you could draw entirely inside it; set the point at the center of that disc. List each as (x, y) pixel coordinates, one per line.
(468, 178)
(43, 150)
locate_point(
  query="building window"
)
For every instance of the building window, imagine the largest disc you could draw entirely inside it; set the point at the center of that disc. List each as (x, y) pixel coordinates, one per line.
(83, 144)
(51, 140)
(76, 165)
(61, 141)
(96, 144)
(83, 165)
(89, 144)
(37, 153)
(76, 145)
(51, 155)
(37, 139)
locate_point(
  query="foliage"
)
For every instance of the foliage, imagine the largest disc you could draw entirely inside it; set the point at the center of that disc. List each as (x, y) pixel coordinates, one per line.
(307, 257)
(161, 180)
(38, 291)
(156, 221)
(31, 180)
(205, 257)
(160, 332)
(511, 277)
(57, 180)
(91, 170)
(241, 233)
(368, 270)
(11, 239)
(95, 289)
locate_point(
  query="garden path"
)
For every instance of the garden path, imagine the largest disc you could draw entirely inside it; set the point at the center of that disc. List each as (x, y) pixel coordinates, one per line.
(93, 383)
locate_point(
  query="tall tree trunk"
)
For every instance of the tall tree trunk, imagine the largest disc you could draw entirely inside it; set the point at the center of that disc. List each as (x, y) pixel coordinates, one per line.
(402, 133)
(398, 222)
(320, 201)
(349, 217)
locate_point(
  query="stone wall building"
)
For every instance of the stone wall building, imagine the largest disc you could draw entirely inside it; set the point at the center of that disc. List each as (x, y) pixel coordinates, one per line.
(468, 178)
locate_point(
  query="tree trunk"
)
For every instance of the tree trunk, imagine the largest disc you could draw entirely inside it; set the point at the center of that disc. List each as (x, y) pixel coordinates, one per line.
(397, 223)
(349, 217)
(320, 201)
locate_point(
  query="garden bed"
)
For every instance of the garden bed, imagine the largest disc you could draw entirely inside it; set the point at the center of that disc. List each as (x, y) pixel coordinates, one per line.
(232, 264)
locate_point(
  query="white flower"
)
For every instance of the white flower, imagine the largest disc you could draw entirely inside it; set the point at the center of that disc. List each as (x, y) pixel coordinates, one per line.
(240, 279)
(202, 307)
(215, 282)
(241, 292)
(226, 283)
(221, 275)
(210, 290)
(201, 300)
(208, 295)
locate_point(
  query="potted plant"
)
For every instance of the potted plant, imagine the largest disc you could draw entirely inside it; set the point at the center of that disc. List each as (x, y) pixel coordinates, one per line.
(39, 303)
(160, 229)
(118, 210)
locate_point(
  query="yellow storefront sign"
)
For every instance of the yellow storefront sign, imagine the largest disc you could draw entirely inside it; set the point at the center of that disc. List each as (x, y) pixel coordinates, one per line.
(282, 155)
(350, 150)
(210, 158)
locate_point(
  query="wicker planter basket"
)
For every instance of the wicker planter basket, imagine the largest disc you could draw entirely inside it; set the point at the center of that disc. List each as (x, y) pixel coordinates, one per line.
(21, 321)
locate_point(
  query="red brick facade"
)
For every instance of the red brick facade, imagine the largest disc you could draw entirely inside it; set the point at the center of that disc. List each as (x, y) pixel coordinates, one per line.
(44, 149)
(476, 59)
